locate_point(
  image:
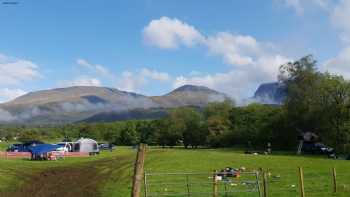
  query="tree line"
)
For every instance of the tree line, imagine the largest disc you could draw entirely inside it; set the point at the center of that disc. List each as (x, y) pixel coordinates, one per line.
(315, 101)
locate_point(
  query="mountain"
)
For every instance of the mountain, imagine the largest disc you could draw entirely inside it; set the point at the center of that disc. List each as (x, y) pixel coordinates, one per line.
(189, 95)
(270, 93)
(79, 103)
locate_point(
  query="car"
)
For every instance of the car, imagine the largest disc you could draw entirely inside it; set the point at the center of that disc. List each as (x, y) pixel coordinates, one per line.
(106, 146)
(318, 148)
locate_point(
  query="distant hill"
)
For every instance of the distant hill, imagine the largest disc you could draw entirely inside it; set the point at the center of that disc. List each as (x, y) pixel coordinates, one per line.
(189, 95)
(270, 93)
(80, 103)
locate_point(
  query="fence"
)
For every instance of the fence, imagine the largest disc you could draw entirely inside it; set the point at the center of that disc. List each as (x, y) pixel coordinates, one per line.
(308, 183)
(70, 154)
(15, 155)
(201, 184)
(263, 183)
(28, 155)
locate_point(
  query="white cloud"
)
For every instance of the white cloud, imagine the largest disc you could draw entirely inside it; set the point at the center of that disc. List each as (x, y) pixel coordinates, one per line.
(339, 65)
(238, 82)
(300, 6)
(235, 49)
(13, 71)
(252, 62)
(130, 82)
(169, 33)
(7, 94)
(6, 116)
(135, 81)
(81, 81)
(340, 18)
(155, 75)
(96, 68)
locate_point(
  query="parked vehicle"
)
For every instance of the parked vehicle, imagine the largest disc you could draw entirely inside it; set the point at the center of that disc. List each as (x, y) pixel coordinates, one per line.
(65, 146)
(318, 148)
(106, 146)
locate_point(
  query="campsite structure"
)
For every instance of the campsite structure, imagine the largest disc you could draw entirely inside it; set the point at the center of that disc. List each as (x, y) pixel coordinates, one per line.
(86, 145)
(40, 151)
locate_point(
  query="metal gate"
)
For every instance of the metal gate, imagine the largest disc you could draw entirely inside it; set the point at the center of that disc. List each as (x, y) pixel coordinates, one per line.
(201, 185)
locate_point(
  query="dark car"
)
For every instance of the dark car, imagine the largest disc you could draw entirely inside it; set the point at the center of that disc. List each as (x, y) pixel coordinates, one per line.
(318, 148)
(106, 146)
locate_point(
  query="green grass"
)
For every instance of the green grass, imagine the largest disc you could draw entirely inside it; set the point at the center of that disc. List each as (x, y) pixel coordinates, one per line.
(4, 145)
(317, 170)
(15, 172)
(119, 170)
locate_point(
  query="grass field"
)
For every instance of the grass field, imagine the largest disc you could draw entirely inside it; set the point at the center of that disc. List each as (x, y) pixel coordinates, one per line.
(109, 174)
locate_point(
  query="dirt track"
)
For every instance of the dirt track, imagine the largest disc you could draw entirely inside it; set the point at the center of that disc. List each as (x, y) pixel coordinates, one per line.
(78, 181)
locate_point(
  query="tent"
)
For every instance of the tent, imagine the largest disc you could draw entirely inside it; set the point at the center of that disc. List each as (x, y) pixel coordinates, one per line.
(86, 145)
(23, 147)
(40, 150)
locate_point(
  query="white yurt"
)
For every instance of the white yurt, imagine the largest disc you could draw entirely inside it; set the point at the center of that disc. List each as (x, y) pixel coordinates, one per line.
(86, 145)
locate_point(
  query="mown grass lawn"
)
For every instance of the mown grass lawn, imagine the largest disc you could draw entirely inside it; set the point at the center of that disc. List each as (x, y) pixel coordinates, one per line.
(17, 173)
(117, 168)
(283, 169)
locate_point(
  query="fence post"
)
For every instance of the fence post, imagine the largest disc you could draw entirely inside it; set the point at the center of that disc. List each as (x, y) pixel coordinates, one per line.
(257, 177)
(145, 184)
(301, 179)
(265, 194)
(334, 175)
(215, 184)
(138, 171)
(188, 186)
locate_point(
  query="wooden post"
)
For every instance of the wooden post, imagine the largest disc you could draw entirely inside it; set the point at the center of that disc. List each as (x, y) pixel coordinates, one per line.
(265, 194)
(188, 186)
(215, 185)
(138, 171)
(301, 179)
(334, 175)
(257, 177)
(145, 184)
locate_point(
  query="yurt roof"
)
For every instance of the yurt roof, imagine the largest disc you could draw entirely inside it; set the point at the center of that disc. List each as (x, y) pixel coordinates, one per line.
(86, 140)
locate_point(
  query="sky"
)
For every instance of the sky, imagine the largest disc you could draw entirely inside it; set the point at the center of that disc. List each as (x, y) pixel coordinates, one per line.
(153, 46)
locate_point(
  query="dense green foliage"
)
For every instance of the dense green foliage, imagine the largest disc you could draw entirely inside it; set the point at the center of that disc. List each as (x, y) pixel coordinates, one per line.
(317, 102)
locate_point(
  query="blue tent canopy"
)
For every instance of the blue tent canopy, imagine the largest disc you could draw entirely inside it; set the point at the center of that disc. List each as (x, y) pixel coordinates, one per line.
(43, 148)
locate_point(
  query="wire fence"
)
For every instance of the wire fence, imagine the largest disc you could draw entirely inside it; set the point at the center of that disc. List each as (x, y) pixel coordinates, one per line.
(262, 183)
(201, 184)
(315, 183)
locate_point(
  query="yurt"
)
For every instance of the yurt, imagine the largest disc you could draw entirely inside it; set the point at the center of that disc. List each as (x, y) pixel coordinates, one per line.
(86, 145)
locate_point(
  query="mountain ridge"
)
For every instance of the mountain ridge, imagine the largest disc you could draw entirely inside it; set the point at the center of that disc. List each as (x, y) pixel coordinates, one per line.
(78, 103)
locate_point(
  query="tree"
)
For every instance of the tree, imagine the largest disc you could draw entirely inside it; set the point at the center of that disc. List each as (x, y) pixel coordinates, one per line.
(301, 80)
(128, 134)
(166, 134)
(255, 123)
(318, 102)
(29, 135)
(334, 104)
(217, 123)
(187, 121)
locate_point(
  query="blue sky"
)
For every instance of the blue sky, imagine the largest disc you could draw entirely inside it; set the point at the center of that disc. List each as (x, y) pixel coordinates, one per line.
(153, 46)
